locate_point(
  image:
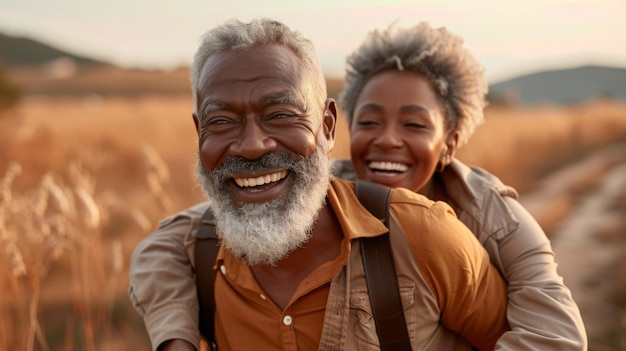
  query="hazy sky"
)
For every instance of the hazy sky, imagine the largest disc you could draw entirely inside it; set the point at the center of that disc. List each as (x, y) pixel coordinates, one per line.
(508, 37)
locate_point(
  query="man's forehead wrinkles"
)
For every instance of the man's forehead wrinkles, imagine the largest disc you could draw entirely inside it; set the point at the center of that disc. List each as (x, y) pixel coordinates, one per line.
(279, 98)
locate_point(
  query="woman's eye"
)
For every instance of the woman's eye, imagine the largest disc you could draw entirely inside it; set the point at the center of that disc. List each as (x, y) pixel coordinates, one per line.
(366, 123)
(415, 125)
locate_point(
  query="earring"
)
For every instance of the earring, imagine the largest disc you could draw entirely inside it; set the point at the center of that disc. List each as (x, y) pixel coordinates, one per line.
(443, 163)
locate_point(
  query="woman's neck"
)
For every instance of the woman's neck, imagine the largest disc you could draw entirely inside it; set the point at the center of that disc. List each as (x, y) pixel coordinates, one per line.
(428, 190)
(434, 189)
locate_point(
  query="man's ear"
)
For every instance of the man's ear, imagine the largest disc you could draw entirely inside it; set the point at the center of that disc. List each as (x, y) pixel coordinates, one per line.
(451, 142)
(330, 121)
(196, 121)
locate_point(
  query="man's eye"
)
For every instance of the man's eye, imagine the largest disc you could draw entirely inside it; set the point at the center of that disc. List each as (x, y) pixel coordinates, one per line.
(217, 121)
(280, 115)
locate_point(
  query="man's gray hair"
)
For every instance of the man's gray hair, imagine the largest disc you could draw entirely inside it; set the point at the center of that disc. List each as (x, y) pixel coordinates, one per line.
(434, 53)
(237, 35)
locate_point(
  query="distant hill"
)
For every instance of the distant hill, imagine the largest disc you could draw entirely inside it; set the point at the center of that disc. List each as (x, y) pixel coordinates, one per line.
(20, 52)
(564, 86)
(17, 53)
(40, 69)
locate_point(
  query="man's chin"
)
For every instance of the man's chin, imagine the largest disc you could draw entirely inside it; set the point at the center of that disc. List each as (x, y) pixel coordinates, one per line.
(261, 234)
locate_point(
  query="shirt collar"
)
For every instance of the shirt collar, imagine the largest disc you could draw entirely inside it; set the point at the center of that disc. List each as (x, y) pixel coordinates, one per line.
(355, 220)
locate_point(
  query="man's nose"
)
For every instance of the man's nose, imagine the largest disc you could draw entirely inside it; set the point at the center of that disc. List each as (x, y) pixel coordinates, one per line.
(254, 142)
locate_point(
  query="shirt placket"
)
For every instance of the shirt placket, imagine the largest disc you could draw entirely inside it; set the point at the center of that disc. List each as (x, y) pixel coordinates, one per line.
(287, 330)
(337, 313)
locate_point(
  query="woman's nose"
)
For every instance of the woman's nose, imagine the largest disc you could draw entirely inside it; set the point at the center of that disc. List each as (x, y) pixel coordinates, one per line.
(388, 139)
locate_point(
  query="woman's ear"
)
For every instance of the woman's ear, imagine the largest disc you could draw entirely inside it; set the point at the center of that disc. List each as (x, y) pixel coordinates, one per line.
(451, 143)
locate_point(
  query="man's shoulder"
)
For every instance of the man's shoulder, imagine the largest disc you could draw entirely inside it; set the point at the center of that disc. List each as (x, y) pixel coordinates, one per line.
(173, 233)
(189, 215)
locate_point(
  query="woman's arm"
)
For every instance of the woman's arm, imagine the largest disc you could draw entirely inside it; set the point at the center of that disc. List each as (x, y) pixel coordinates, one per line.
(541, 311)
(162, 285)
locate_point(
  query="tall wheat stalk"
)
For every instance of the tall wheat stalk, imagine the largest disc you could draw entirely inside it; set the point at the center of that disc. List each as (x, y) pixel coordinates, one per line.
(64, 221)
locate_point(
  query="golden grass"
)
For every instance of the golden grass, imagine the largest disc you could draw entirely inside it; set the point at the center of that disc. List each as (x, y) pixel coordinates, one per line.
(37, 229)
(520, 145)
(83, 180)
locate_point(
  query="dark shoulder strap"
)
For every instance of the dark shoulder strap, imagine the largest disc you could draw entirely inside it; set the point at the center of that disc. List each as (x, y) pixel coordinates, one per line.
(207, 246)
(380, 272)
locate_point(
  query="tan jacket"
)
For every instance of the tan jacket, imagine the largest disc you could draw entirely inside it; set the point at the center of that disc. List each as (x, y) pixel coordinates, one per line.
(541, 311)
(444, 274)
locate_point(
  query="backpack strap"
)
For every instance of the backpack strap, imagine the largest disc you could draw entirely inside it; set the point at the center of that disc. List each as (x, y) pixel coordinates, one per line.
(380, 272)
(207, 247)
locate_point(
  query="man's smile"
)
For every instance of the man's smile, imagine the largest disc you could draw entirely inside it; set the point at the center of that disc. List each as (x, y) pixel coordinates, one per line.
(245, 182)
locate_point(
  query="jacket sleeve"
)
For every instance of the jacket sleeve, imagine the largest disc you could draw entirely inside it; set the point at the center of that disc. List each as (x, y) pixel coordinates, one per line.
(541, 311)
(162, 285)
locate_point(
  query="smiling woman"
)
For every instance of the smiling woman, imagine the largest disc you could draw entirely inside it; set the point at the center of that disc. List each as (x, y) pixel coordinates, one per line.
(394, 109)
(413, 95)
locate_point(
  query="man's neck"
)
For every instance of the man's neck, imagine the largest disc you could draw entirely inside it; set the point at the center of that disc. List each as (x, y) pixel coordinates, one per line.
(280, 281)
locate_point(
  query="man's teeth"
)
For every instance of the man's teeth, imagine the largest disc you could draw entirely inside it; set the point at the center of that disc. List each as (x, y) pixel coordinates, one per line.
(266, 179)
(387, 166)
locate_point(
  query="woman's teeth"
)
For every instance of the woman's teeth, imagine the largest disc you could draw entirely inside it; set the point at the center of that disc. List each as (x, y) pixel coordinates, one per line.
(387, 166)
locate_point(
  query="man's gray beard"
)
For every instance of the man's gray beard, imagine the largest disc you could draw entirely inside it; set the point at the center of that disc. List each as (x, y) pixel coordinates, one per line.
(266, 232)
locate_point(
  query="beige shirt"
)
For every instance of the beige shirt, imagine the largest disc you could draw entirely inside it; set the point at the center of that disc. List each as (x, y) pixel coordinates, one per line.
(445, 277)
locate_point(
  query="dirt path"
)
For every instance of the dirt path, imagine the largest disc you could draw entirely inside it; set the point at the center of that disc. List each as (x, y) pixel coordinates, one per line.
(590, 241)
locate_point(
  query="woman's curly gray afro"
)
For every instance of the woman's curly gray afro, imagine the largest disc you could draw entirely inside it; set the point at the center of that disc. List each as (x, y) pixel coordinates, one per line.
(434, 53)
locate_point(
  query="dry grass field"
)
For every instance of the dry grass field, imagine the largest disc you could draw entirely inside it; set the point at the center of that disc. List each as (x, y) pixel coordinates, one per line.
(83, 179)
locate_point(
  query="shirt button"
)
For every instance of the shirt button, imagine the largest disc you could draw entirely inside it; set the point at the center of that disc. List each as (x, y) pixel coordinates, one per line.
(287, 320)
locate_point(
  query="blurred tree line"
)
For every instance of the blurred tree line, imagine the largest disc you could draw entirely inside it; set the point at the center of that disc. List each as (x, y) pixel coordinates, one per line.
(10, 93)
